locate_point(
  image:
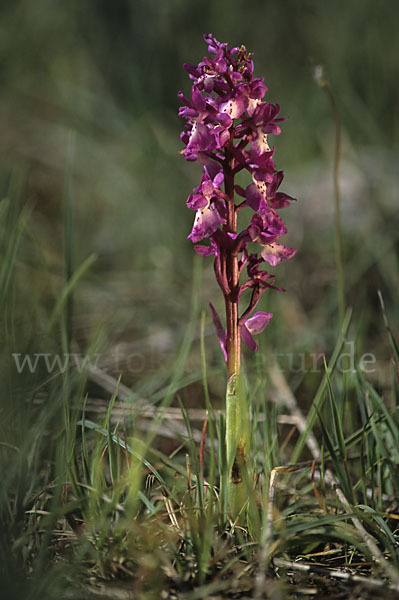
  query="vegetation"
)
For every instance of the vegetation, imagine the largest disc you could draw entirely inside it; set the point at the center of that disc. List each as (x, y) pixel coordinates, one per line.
(111, 432)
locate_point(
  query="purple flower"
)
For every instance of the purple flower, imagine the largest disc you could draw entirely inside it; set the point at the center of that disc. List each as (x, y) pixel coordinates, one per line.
(275, 253)
(277, 199)
(235, 106)
(227, 124)
(266, 228)
(254, 325)
(264, 119)
(200, 139)
(209, 216)
(203, 194)
(206, 222)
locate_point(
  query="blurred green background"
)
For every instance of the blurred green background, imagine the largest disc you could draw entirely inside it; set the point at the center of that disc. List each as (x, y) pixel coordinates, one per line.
(88, 110)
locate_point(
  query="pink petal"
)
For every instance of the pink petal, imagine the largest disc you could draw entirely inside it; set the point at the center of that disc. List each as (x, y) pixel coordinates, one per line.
(260, 144)
(200, 138)
(258, 90)
(252, 326)
(235, 107)
(211, 167)
(207, 189)
(206, 222)
(218, 179)
(257, 323)
(272, 223)
(271, 129)
(222, 136)
(275, 253)
(198, 100)
(224, 119)
(254, 196)
(197, 201)
(280, 200)
(252, 105)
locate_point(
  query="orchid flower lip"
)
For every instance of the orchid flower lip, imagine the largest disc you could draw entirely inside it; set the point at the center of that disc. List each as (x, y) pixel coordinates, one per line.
(253, 326)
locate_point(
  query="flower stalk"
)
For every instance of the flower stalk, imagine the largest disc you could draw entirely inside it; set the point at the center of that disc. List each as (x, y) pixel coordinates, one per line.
(230, 259)
(237, 423)
(226, 131)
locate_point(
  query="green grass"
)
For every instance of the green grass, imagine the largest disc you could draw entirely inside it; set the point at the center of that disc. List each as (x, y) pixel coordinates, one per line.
(95, 499)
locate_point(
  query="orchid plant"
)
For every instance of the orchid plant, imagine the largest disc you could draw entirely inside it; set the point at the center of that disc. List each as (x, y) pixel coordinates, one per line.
(226, 131)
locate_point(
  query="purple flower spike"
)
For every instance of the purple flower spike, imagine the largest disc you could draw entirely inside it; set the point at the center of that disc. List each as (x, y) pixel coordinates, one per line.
(227, 126)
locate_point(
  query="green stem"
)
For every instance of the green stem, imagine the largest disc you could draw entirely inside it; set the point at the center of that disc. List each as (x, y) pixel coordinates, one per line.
(237, 444)
(237, 419)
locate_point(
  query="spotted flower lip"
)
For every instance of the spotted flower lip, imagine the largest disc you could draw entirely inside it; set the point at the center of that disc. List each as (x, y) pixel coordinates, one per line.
(206, 222)
(275, 253)
(235, 106)
(227, 127)
(201, 139)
